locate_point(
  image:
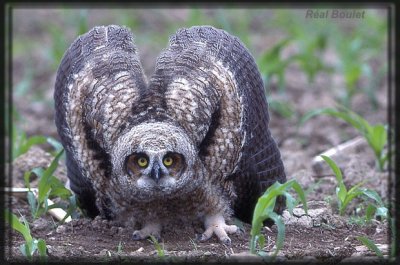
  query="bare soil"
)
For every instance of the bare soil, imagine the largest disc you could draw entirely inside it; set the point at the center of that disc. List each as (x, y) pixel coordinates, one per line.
(323, 235)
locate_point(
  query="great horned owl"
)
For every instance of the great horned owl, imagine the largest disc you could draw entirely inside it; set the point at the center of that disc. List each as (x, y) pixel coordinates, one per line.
(192, 143)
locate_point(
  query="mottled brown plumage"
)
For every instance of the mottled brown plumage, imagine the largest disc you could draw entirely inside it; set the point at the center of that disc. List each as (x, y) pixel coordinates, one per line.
(192, 143)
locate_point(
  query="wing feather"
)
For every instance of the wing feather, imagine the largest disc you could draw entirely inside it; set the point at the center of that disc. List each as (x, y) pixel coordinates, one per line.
(214, 90)
(98, 82)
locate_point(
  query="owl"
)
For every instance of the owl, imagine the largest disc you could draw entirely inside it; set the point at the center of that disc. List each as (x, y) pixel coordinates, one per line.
(191, 143)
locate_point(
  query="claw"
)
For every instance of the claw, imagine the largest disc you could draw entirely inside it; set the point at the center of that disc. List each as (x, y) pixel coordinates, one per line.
(215, 224)
(137, 235)
(148, 230)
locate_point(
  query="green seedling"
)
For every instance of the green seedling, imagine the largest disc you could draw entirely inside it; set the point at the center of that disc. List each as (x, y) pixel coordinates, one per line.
(272, 64)
(265, 210)
(119, 248)
(345, 196)
(22, 143)
(375, 135)
(370, 245)
(31, 244)
(158, 247)
(283, 108)
(356, 49)
(48, 186)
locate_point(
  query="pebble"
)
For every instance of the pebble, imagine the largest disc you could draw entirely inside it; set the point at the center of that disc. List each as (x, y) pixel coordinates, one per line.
(61, 229)
(140, 249)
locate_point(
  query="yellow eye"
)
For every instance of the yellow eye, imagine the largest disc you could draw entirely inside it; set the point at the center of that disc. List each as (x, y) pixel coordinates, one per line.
(142, 162)
(168, 161)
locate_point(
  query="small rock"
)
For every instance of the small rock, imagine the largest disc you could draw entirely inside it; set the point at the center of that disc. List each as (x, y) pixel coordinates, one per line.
(207, 253)
(104, 252)
(61, 229)
(49, 249)
(140, 249)
(40, 224)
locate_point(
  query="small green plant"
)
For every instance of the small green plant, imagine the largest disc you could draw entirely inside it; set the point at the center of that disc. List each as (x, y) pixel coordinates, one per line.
(48, 186)
(371, 245)
(158, 247)
(272, 64)
(375, 135)
(265, 210)
(283, 108)
(22, 143)
(119, 248)
(345, 196)
(31, 244)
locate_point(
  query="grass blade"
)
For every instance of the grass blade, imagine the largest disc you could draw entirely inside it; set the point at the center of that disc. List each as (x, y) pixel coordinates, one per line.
(334, 167)
(370, 245)
(45, 178)
(17, 225)
(41, 245)
(373, 195)
(280, 238)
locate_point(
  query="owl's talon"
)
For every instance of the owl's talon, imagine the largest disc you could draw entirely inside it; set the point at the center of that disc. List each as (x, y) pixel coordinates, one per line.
(147, 231)
(215, 224)
(137, 236)
(240, 231)
(199, 238)
(226, 241)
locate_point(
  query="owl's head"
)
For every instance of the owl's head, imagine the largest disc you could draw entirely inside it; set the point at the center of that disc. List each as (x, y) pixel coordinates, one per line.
(157, 159)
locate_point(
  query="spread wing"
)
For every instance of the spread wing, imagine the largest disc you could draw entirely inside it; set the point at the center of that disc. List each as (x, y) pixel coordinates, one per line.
(213, 89)
(98, 82)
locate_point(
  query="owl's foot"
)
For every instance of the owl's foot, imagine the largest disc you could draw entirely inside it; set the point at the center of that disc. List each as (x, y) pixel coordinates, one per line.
(150, 229)
(215, 224)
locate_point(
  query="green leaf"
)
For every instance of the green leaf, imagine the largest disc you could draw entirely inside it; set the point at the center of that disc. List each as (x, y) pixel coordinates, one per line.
(32, 203)
(45, 178)
(58, 189)
(27, 175)
(349, 198)
(25, 250)
(41, 245)
(33, 140)
(377, 139)
(290, 202)
(370, 245)
(300, 192)
(373, 195)
(335, 169)
(341, 192)
(382, 211)
(71, 207)
(369, 212)
(58, 147)
(23, 229)
(261, 240)
(284, 109)
(280, 238)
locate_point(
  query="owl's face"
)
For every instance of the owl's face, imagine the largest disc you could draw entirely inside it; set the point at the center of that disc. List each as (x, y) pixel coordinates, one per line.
(154, 159)
(155, 168)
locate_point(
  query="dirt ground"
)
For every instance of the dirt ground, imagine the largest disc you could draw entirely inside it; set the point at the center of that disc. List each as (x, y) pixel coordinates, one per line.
(323, 235)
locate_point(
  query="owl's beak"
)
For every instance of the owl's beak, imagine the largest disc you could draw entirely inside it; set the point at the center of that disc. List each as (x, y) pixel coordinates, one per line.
(156, 172)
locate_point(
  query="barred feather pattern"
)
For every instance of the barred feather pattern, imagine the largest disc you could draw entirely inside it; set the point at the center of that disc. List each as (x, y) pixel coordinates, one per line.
(205, 100)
